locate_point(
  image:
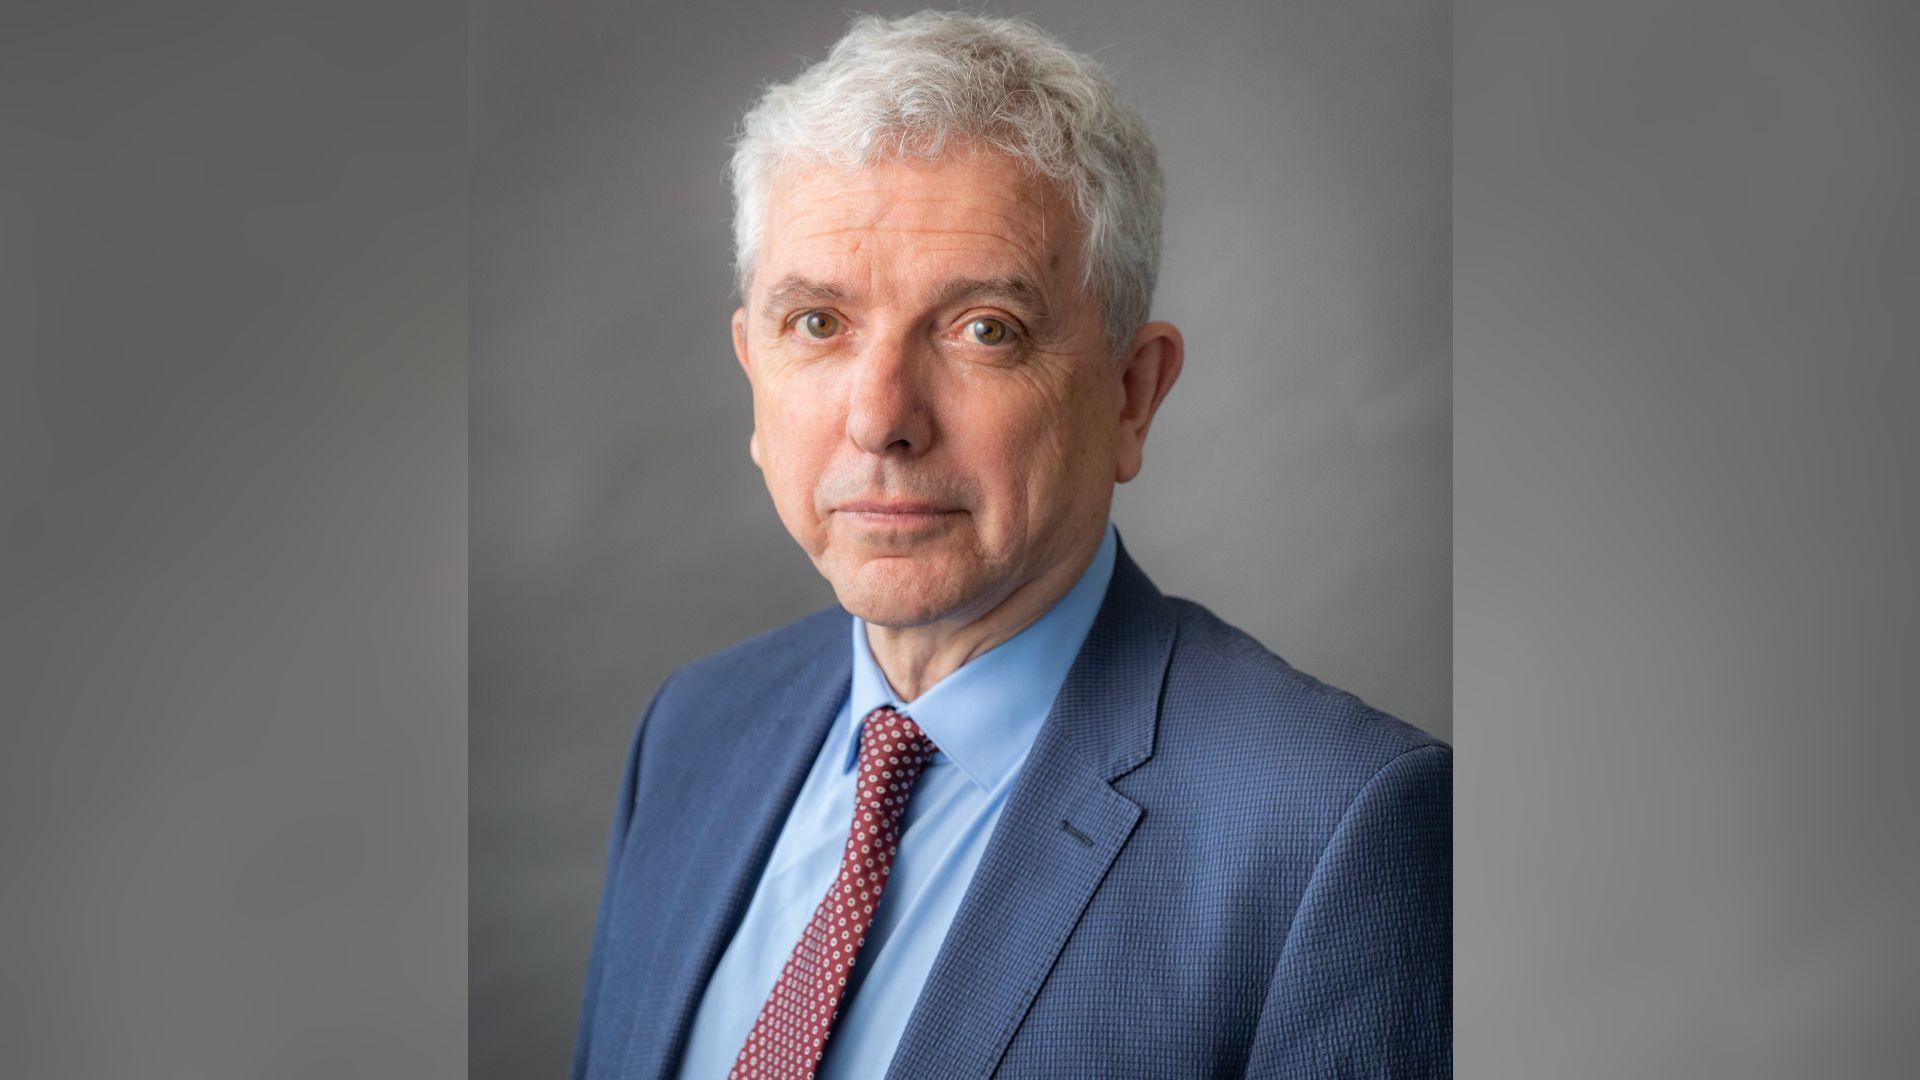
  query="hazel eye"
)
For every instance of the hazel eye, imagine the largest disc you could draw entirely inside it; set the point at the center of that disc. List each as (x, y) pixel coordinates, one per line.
(989, 331)
(819, 324)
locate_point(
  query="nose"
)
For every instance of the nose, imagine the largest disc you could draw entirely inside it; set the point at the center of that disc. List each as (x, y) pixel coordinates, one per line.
(887, 411)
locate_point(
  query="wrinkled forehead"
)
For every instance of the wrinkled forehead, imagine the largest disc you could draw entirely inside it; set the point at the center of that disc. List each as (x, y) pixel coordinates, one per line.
(896, 225)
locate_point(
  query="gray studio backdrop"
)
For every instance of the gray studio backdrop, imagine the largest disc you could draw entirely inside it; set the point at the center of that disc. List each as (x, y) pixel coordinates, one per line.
(1297, 482)
(1687, 519)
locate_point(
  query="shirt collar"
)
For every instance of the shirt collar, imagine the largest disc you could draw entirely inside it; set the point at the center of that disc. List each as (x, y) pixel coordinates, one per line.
(984, 715)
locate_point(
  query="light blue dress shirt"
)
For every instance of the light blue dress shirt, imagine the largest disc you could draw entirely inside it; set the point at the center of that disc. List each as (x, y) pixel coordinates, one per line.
(983, 717)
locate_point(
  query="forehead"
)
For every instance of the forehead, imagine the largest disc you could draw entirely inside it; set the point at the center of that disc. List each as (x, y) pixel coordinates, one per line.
(976, 213)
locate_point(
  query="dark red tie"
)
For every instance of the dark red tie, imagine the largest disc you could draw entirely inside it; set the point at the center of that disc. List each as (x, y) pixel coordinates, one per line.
(788, 1038)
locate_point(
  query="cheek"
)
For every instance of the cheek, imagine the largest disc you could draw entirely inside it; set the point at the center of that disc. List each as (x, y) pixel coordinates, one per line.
(1071, 455)
(1019, 445)
(797, 436)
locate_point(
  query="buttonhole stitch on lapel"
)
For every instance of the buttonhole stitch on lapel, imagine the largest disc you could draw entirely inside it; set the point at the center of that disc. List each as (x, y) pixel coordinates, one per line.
(1076, 833)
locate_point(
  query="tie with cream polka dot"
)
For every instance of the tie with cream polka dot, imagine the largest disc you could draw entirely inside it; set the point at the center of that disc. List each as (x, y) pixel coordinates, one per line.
(788, 1038)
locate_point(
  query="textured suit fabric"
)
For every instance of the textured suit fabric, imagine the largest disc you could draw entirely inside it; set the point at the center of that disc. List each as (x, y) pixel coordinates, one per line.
(1211, 865)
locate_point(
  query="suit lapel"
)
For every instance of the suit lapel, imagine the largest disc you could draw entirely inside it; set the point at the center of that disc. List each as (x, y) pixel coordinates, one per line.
(757, 777)
(1062, 828)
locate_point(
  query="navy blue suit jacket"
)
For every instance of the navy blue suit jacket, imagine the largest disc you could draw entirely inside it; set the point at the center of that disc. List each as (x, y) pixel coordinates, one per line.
(1211, 865)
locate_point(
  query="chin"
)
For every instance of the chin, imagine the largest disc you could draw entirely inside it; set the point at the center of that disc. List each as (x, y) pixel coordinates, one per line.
(901, 592)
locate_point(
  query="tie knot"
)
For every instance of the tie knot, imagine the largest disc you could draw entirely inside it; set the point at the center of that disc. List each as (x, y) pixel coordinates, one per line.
(893, 750)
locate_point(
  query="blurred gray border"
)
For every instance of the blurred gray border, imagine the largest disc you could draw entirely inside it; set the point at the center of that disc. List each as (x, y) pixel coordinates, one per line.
(233, 437)
(1685, 530)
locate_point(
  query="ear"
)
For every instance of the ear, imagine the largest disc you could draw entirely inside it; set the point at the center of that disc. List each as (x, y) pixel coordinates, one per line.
(741, 354)
(1152, 364)
(740, 341)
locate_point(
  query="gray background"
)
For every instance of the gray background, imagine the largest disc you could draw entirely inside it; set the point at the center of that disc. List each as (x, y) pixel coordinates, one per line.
(1686, 518)
(1297, 480)
(232, 541)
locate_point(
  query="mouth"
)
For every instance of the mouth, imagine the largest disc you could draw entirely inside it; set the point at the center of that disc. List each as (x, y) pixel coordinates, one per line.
(878, 514)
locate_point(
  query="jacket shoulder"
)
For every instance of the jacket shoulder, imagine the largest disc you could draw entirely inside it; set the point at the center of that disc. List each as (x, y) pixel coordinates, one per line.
(1286, 715)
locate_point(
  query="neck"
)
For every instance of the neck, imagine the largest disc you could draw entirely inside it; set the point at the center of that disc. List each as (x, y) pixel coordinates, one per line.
(914, 658)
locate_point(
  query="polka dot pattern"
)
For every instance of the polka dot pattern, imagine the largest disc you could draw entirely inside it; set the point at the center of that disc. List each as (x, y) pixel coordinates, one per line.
(791, 1032)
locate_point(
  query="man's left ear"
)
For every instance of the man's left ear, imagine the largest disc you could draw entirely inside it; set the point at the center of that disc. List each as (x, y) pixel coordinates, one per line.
(1152, 364)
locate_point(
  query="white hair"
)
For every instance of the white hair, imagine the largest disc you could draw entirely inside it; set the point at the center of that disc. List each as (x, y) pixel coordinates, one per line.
(912, 86)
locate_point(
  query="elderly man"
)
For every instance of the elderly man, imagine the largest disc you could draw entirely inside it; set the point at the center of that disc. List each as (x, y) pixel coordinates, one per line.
(1004, 810)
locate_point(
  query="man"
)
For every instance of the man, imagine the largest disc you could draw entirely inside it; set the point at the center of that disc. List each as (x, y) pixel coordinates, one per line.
(1005, 809)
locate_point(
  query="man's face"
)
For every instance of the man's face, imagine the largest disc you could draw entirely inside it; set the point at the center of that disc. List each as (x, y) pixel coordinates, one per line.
(936, 409)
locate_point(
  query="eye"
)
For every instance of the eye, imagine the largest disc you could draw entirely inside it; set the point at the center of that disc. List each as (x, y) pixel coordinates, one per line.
(820, 324)
(989, 331)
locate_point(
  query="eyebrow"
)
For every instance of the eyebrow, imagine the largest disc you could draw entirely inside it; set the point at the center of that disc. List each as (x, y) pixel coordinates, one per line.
(1013, 290)
(796, 289)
